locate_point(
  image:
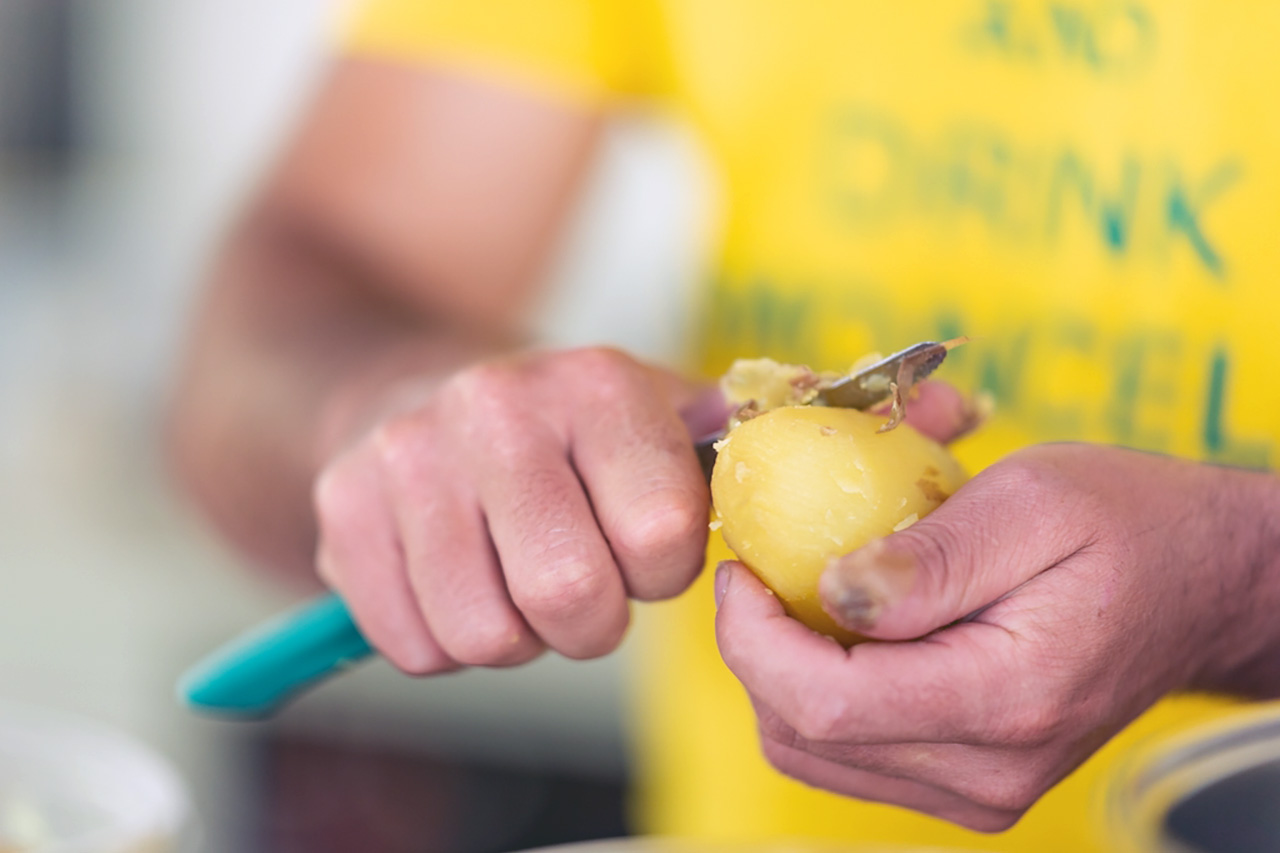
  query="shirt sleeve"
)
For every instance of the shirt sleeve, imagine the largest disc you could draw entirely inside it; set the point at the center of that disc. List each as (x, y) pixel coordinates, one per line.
(586, 50)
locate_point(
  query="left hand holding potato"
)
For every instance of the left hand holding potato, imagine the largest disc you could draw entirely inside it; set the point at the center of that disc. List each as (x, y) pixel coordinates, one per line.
(1044, 606)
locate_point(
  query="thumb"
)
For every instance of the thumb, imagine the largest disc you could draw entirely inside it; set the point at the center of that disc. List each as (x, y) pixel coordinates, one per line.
(998, 531)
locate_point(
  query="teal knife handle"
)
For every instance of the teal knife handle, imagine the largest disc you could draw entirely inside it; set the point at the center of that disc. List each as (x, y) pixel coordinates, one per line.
(260, 671)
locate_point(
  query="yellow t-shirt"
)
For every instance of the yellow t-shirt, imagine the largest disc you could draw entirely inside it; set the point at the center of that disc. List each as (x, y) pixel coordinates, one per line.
(1087, 188)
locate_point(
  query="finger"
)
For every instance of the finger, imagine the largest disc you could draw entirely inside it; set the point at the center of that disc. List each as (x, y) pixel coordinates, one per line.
(360, 557)
(941, 412)
(944, 689)
(1011, 522)
(557, 566)
(634, 454)
(1001, 779)
(454, 571)
(874, 787)
(929, 778)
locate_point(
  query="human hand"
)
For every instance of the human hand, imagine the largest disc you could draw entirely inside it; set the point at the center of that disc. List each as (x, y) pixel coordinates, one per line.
(516, 507)
(1041, 608)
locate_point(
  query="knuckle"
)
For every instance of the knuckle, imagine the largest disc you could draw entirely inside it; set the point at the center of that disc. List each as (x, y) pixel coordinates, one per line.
(402, 442)
(1009, 794)
(334, 497)
(417, 661)
(822, 718)
(774, 728)
(663, 535)
(958, 713)
(489, 383)
(1031, 717)
(1033, 725)
(603, 641)
(488, 641)
(487, 397)
(327, 568)
(409, 648)
(493, 411)
(1031, 477)
(780, 756)
(602, 364)
(942, 552)
(938, 548)
(733, 646)
(985, 820)
(513, 448)
(560, 591)
(612, 375)
(681, 521)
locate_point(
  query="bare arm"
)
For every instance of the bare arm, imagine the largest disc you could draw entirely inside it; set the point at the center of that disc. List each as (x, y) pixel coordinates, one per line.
(355, 404)
(401, 234)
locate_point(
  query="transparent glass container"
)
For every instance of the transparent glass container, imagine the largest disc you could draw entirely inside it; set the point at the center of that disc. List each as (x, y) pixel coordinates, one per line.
(1215, 789)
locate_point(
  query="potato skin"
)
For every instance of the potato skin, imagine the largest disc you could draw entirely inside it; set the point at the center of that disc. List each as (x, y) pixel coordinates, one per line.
(798, 485)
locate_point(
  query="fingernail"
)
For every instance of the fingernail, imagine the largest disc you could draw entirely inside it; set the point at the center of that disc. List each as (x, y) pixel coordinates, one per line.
(722, 581)
(706, 414)
(855, 589)
(975, 411)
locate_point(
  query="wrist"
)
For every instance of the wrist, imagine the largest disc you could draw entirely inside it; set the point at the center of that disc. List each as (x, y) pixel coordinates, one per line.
(1243, 656)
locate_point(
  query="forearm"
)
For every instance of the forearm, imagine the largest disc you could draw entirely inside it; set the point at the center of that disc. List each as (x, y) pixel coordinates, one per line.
(293, 355)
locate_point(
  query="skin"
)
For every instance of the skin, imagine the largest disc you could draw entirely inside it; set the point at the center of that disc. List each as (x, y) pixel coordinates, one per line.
(359, 404)
(1094, 581)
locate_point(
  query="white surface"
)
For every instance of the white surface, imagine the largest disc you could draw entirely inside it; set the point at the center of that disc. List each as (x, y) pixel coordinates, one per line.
(68, 785)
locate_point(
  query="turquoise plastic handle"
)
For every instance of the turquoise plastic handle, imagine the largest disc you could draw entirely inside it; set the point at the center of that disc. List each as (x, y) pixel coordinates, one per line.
(258, 672)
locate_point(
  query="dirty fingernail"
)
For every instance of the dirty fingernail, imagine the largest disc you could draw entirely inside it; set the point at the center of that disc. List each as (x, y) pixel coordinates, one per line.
(975, 411)
(855, 589)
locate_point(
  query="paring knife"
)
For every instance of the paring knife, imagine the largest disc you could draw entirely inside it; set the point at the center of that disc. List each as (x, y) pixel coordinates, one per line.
(258, 672)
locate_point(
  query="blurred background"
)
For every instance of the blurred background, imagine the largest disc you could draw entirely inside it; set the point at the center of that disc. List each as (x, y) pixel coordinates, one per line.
(130, 131)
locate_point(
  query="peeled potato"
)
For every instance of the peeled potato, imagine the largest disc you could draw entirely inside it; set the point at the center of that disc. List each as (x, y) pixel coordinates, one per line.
(798, 485)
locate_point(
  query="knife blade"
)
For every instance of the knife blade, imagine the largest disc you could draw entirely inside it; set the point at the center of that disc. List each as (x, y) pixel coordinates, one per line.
(863, 389)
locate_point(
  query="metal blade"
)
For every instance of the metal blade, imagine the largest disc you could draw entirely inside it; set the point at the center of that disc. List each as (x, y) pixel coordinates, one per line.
(872, 385)
(865, 389)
